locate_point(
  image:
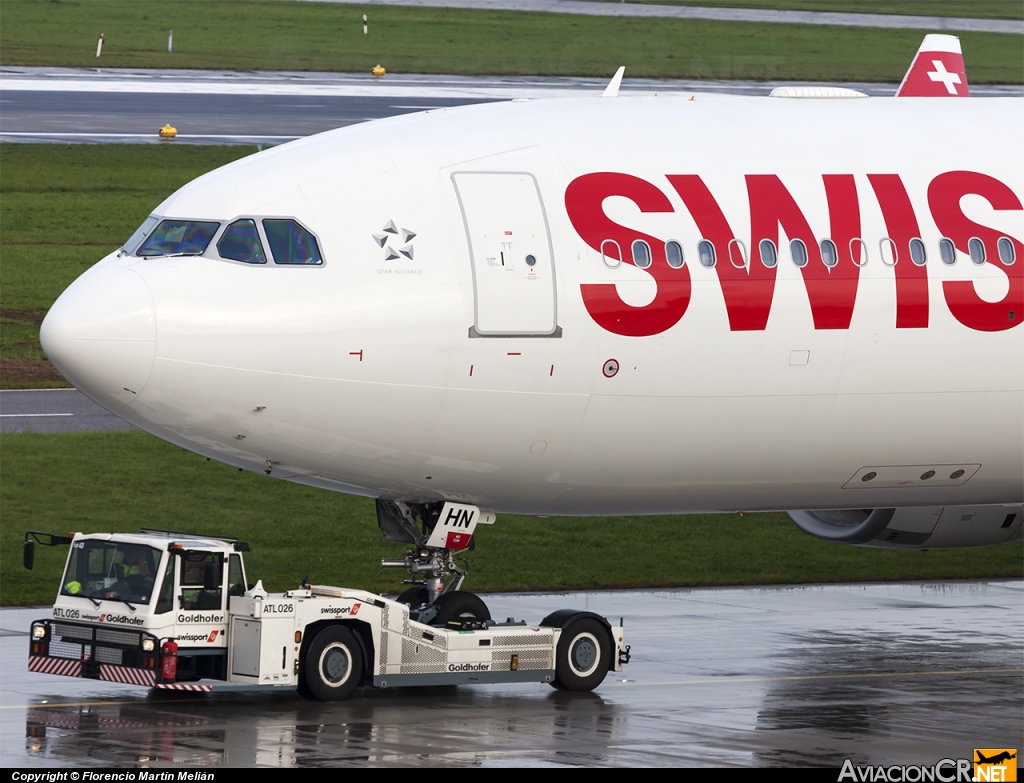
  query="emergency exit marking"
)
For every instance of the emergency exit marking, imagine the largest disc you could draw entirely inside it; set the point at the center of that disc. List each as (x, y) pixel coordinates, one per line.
(515, 353)
(356, 353)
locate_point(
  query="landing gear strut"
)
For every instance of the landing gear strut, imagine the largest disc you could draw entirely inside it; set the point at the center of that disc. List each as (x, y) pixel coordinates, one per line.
(438, 531)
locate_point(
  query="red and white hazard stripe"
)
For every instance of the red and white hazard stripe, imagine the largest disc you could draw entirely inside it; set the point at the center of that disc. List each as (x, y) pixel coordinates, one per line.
(47, 665)
(186, 686)
(127, 675)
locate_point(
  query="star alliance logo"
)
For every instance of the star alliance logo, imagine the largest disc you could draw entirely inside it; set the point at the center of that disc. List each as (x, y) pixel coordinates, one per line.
(391, 233)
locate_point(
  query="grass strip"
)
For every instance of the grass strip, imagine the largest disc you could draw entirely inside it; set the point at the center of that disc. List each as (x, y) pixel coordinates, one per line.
(225, 34)
(122, 481)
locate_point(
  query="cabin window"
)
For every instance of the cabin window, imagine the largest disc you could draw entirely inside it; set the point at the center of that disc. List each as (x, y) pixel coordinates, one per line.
(829, 253)
(798, 252)
(674, 254)
(241, 242)
(706, 253)
(165, 599)
(977, 250)
(738, 252)
(179, 238)
(236, 576)
(140, 233)
(887, 249)
(641, 254)
(290, 243)
(858, 251)
(917, 252)
(769, 255)
(947, 251)
(202, 580)
(1007, 252)
(611, 253)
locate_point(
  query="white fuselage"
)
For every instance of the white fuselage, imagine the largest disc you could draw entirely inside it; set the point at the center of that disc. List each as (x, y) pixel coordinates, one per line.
(453, 370)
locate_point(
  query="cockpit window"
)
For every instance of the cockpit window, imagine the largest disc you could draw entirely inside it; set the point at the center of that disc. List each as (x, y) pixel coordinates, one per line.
(291, 243)
(140, 233)
(179, 238)
(241, 242)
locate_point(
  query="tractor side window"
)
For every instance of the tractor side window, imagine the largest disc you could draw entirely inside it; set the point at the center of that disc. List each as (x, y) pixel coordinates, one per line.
(202, 579)
(236, 577)
(165, 599)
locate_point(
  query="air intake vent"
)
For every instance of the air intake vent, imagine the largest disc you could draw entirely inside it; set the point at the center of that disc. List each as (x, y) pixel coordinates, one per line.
(816, 92)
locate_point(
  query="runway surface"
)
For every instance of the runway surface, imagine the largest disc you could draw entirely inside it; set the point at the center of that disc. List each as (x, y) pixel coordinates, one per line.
(228, 107)
(55, 410)
(758, 15)
(776, 676)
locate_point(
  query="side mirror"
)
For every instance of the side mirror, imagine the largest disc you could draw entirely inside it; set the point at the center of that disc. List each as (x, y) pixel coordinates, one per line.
(29, 554)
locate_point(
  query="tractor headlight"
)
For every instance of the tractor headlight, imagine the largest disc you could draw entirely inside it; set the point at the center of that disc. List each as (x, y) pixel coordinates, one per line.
(38, 631)
(148, 645)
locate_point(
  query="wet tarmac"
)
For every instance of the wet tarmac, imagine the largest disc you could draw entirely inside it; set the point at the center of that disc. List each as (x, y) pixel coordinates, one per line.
(128, 105)
(789, 676)
(55, 410)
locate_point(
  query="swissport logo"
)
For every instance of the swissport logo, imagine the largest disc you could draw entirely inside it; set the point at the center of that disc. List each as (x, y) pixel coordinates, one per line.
(351, 611)
(120, 619)
(198, 637)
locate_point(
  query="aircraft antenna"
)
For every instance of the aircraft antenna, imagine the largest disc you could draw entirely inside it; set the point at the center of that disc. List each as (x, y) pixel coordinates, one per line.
(612, 90)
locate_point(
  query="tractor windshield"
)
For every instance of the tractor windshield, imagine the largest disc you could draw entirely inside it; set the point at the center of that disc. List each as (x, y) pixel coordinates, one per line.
(111, 569)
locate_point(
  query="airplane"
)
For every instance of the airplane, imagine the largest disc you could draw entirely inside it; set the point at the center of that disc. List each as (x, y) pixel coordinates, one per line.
(604, 305)
(996, 759)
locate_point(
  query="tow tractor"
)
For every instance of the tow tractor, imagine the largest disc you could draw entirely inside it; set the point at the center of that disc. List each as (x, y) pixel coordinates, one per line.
(172, 610)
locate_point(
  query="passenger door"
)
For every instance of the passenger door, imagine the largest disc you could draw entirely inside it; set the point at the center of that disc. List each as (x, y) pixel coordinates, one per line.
(510, 253)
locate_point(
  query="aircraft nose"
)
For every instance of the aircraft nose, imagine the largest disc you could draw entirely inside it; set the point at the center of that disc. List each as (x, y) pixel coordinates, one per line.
(101, 335)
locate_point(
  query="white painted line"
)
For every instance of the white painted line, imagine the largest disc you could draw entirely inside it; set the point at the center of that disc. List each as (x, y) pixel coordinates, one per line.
(380, 90)
(30, 415)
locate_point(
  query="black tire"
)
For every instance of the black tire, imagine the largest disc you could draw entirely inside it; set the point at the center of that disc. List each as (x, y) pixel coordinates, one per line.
(413, 597)
(333, 666)
(583, 656)
(459, 606)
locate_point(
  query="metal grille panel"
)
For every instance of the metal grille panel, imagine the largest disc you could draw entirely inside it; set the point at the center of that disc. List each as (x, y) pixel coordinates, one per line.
(109, 655)
(117, 637)
(65, 650)
(501, 661)
(423, 656)
(72, 631)
(522, 640)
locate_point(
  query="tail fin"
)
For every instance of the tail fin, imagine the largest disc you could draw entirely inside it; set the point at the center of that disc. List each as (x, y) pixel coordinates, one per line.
(937, 70)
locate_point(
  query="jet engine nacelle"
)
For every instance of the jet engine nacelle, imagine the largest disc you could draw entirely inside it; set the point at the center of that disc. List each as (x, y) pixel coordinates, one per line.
(919, 527)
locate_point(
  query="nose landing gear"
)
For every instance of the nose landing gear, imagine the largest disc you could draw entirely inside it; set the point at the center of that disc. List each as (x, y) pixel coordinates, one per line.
(438, 530)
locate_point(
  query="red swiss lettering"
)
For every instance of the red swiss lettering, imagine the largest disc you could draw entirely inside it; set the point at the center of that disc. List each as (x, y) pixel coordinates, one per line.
(901, 224)
(944, 194)
(747, 290)
(584, 204)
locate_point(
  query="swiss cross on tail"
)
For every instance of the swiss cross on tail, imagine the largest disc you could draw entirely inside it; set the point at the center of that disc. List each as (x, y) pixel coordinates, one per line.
(455, 526)
(937, 70)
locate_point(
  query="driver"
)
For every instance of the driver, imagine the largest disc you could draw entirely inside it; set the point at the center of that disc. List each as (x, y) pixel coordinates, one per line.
(137, 572)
